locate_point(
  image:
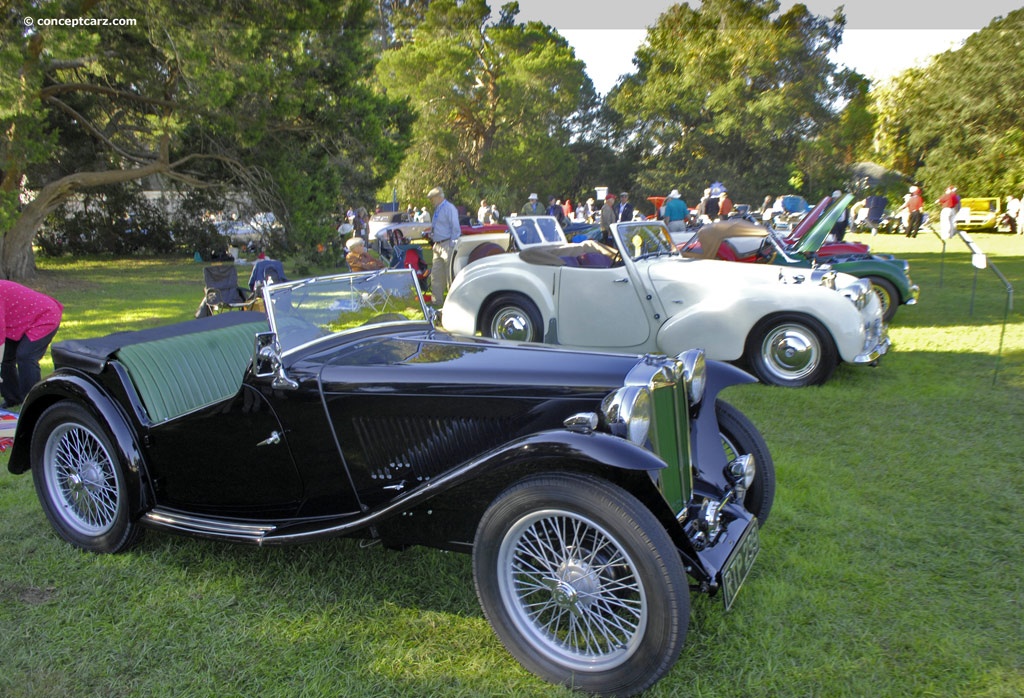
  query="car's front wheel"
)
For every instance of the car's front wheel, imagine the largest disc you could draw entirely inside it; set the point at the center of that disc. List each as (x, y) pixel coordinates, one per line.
(80, 481)
(739, 437)
(792, 351)
(512, 316)
(888, 296)
(582, 584)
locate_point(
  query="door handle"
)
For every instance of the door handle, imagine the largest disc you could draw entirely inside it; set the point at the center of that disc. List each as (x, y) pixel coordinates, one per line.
(272, 440)
(621, 281)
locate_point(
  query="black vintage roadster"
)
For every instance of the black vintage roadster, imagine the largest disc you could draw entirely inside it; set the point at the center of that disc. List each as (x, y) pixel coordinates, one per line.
(593, 490)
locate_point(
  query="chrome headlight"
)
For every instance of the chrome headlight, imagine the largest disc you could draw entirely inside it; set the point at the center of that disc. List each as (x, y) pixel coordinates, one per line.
(858, 292)
(695, 373)
(628, 413)
(741, 471)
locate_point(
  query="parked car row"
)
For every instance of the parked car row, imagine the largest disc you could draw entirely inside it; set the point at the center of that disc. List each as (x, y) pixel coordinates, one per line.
(595, 484)
(807, 246)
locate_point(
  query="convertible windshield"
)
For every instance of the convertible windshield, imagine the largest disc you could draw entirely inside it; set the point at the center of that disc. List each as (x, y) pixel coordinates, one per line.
(644, 239)
(535, 230)
(303, 311)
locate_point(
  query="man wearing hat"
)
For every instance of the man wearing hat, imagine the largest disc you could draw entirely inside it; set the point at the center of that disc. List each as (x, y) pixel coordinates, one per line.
(445, 231)
(625, 207)
(676, 212)
(533, 207)
(608, 216)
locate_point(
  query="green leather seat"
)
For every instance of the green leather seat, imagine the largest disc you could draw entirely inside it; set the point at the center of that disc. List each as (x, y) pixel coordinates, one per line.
(177, 375)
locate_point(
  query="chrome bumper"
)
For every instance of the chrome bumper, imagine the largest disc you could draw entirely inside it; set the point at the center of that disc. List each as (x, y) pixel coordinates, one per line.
(875, 353)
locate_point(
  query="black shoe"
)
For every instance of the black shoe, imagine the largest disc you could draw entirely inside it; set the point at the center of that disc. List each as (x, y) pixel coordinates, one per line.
(8, 405)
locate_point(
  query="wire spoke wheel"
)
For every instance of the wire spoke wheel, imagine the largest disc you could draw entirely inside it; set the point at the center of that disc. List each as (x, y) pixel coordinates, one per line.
(582, 583)
(573, 589)
(81, 479)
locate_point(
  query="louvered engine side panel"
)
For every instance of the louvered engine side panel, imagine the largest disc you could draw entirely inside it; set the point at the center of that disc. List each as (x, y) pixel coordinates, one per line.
(419, 448)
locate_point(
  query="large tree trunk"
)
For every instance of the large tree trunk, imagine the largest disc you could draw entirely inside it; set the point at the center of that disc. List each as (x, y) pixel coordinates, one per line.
(17, 261)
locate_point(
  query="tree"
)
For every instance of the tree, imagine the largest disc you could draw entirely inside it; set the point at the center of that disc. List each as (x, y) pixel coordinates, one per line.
(266, 97)
(957, 120)
(493, 102)
(825, 161)
(729, 92)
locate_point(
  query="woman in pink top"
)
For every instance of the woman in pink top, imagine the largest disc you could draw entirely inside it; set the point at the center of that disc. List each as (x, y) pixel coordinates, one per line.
(28, 323)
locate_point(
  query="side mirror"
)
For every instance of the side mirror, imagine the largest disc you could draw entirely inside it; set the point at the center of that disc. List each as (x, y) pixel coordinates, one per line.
(266, 359)
(267, 362)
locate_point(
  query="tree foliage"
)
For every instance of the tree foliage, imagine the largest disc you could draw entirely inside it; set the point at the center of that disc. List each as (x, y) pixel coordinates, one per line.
(265, 97)
(957, 120)
(494, 101)
(729, 91)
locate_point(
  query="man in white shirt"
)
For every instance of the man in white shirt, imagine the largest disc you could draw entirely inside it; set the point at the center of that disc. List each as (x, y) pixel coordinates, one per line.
(445, 231)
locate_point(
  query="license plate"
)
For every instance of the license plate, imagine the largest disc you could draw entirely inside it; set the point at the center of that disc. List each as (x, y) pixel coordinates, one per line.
(739, 564)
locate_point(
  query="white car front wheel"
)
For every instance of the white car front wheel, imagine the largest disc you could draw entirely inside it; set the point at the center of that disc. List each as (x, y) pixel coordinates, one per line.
(792, 351)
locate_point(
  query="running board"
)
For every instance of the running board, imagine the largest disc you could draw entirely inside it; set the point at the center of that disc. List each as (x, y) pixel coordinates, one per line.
(219, 529)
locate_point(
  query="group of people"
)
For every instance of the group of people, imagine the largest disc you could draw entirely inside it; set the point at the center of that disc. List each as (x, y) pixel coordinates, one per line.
(715, 204)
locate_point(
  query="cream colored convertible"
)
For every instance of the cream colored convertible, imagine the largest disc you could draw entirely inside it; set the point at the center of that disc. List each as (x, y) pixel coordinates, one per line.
(790, 327)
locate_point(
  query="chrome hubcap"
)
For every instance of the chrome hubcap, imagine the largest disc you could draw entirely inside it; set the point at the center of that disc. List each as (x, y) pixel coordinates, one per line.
(791, 352)
(512, 323)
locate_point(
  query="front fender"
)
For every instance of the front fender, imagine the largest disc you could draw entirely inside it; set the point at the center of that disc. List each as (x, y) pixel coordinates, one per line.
(889, 269)
(708, 454)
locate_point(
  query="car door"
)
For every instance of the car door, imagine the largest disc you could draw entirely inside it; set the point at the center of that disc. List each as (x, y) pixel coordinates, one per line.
(226, 460)
(600, 308)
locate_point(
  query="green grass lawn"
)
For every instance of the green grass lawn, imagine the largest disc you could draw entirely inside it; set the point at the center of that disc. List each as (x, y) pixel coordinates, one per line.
(891, 565)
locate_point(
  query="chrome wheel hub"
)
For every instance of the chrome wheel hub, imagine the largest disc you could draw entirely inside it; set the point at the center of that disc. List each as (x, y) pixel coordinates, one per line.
(574, 587)
(791, 352)
(512, 323)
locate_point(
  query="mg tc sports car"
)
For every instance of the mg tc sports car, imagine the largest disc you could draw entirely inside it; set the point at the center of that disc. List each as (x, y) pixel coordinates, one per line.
(594, 491)
(791, 327)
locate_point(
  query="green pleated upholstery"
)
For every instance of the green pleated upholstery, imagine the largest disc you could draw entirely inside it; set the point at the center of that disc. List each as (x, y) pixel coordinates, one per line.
(177, 375)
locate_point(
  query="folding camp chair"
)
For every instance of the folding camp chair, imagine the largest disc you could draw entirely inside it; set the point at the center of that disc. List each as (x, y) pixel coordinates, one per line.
(266, 271)
(222, 291)
(410, 256)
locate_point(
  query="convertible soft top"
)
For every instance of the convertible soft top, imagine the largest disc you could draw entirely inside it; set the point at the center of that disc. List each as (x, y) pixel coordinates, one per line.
(91, 355)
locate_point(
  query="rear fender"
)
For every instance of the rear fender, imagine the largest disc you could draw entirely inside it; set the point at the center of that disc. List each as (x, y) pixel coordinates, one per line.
(79, 388)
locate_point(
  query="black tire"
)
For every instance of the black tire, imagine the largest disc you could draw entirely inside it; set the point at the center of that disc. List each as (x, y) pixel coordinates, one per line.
(80, 480)
(512, 316)
(888, 296)
(582, 584)
(740, 436)
(791, 350)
